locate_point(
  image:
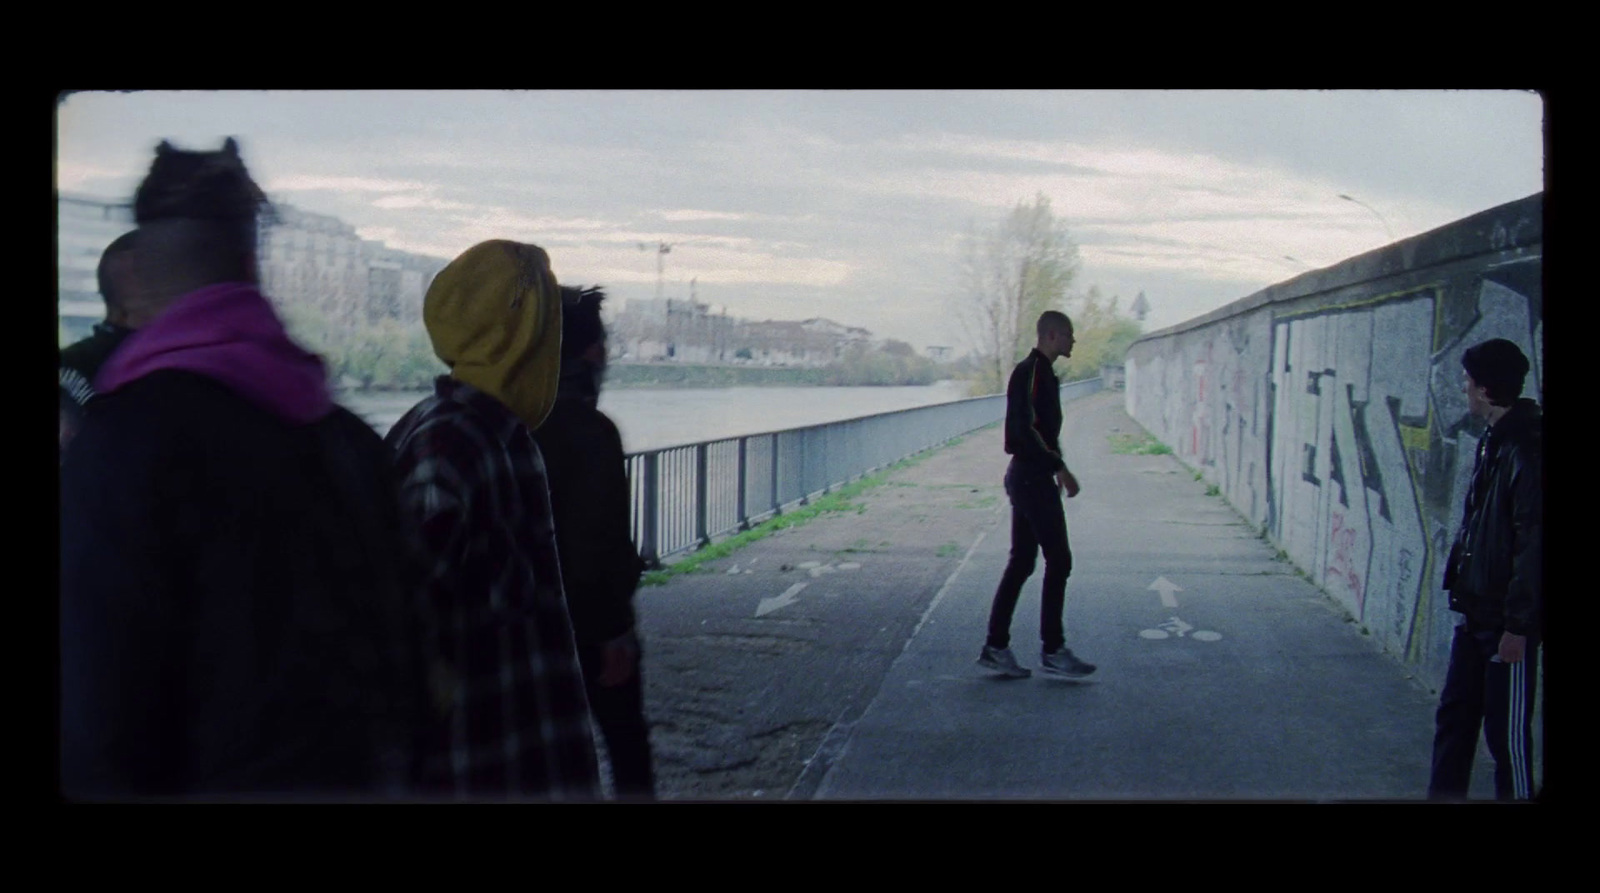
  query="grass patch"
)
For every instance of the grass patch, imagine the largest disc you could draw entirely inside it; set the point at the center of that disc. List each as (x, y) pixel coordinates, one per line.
(1213, 490)
(948, 550)
(839, 501)
(983, 503)
(1141, 444)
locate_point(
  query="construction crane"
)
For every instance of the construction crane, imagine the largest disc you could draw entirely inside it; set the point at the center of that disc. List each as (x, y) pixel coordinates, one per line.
(662, 250)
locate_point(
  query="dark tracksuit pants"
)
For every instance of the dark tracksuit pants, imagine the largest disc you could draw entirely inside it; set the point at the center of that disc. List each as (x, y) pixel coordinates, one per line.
(619, 711)
(1481, 691)
(1038, 523)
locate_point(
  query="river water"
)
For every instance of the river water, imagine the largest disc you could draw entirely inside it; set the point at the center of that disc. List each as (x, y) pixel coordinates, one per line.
(651, 418)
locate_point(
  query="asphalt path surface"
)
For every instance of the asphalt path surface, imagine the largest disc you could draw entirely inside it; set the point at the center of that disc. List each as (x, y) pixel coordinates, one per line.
(835, 660)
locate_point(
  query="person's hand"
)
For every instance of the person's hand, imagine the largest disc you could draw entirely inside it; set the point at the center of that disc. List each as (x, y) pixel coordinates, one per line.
(618, 659)
(1512, 647)
(1067, 482)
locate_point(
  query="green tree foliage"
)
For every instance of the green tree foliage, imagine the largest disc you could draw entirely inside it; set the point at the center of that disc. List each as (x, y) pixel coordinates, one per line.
(387, 356)
(1008, 276)
(890, 363)
(1102, 335)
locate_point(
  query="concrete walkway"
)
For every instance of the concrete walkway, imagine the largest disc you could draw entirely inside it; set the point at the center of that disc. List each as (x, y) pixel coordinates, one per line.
(1239, 681)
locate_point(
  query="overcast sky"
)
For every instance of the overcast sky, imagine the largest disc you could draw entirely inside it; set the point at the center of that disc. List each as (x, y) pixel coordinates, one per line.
(852, 204)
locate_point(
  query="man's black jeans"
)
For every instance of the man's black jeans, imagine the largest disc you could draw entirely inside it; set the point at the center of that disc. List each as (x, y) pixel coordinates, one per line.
(1038, 522)
(619, 711)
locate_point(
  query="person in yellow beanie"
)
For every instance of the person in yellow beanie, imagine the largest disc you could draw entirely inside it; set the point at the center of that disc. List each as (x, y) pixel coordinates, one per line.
(510, 715)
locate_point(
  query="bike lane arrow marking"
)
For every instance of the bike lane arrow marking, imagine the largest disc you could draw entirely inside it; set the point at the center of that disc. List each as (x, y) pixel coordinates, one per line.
(768, 605)
(1167, 588)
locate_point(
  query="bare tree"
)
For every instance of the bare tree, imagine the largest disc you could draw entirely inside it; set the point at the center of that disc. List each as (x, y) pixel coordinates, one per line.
(1009, 276)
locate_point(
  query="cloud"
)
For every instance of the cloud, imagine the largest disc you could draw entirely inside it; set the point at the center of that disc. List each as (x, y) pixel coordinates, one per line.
(322, 183)
(412, 202)
(688, 215)
(77, 175)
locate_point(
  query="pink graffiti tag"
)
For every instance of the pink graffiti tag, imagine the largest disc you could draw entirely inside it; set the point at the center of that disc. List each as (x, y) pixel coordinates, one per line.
(1341, 559)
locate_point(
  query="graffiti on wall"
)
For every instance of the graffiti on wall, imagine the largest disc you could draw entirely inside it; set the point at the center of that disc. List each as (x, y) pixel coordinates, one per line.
(1344, 432)
(1351, 393)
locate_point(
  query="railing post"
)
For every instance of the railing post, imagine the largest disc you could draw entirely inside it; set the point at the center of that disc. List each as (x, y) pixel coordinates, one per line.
(777, 504)
(805, 457)
(739, 502)
(701, 525)
(650, 545)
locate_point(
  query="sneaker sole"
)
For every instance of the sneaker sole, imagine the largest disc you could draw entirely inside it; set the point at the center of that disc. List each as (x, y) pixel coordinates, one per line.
(1020, 673)
(1065, 673)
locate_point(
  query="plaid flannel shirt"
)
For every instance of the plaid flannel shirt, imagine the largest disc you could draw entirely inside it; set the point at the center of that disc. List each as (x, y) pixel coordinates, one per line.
(513, 719)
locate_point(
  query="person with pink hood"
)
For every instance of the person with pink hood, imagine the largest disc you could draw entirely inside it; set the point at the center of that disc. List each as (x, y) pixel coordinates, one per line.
(235, 615)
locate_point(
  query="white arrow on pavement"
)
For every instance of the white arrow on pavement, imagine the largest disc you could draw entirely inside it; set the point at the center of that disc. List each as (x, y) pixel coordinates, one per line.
(1167, 588)
(768, 605)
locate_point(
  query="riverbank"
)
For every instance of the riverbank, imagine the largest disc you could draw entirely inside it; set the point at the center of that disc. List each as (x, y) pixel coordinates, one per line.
(652, 417)
(684, 375)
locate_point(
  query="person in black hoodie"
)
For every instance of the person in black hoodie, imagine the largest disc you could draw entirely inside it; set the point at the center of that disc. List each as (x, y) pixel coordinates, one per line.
(1494, 576)
(234, 618)
(1034, 482)
(600, 565)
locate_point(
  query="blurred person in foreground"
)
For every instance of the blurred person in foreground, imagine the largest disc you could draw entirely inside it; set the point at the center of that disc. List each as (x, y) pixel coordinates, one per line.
(80, 361)
(600, 566)
(234, 621)
(514, 720)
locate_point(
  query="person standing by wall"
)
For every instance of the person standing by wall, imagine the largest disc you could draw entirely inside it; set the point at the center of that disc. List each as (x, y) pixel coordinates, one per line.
(1494, 576)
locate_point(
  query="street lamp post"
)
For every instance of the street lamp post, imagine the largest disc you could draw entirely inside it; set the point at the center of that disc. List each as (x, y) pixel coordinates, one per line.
(1374, 213)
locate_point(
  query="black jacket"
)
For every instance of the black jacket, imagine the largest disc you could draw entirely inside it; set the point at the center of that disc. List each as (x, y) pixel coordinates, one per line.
(234, 601)
(1495, 570)
(81, 361)
(589, 497)
(1033, 415)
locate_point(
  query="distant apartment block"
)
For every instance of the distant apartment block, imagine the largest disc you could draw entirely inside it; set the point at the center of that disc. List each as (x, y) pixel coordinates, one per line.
(671, 330)
(307, 260)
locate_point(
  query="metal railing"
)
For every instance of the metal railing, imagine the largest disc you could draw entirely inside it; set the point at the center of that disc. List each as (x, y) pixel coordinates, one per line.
(685, 496)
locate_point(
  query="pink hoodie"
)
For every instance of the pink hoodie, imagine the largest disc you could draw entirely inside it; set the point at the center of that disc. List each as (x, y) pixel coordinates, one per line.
(227, 332)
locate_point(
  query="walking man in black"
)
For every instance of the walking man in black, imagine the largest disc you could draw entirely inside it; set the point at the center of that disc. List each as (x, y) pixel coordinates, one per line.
(1034, 481)
(1495, 583)
(600, 567)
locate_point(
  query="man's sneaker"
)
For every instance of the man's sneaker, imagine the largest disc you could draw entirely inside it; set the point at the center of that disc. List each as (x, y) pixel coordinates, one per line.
(1062, 662)
(1004, 662)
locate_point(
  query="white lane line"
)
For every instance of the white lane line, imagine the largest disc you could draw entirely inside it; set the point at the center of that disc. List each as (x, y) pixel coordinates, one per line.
(939, 596)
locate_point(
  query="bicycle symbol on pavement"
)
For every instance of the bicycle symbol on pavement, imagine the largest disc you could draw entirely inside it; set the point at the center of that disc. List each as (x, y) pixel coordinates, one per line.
(1176, 627)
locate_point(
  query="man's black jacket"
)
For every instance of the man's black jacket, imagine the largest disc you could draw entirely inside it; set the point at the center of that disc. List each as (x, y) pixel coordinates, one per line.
(1033, 415)
(81, 361)
(1495, 571)
(589, 498)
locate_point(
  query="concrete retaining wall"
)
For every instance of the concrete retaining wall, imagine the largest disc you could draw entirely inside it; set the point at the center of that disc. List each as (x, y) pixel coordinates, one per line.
(1328, 410)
